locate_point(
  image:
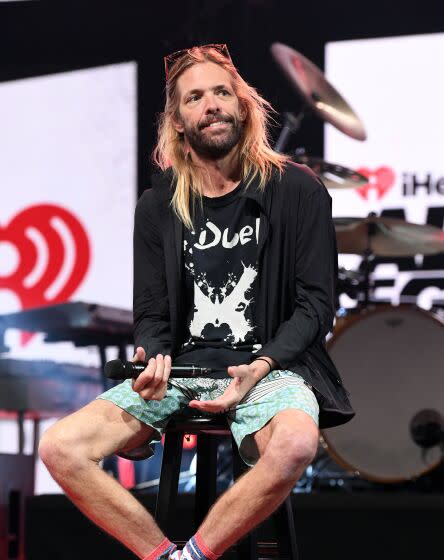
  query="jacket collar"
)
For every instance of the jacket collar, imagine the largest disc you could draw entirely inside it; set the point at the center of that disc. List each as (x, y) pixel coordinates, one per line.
(164, 184)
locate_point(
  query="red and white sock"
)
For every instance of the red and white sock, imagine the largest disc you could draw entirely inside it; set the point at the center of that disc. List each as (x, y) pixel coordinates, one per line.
(163, 551)
(195, 549)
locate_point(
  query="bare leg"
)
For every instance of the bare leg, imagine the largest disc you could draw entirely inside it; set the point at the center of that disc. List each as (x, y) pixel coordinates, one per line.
(287, 445)
(72, 450)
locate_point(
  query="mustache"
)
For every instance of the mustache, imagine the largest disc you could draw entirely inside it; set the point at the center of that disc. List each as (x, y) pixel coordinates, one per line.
(213, 119)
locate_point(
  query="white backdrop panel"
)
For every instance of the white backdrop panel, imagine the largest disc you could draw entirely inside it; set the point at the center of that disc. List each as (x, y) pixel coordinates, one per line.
(67, 142)
(395, 85)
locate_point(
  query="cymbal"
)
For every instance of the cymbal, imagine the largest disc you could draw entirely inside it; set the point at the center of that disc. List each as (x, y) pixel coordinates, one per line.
(387, 237)
(310, 82)
(334, 176)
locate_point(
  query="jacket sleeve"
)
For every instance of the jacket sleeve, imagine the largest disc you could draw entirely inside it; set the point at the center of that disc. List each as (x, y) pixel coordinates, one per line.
(150, 298)
(315, 274)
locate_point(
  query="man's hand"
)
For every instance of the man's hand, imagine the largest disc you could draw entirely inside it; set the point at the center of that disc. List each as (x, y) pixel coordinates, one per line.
(151, 384)
(245, 378)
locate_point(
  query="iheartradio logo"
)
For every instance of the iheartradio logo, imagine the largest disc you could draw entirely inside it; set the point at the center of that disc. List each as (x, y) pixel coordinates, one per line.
(47, 256)
(380, 180)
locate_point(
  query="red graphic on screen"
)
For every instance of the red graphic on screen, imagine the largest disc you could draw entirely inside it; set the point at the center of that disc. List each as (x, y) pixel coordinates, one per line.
(53, 256)
(380, 180)
(189, 441)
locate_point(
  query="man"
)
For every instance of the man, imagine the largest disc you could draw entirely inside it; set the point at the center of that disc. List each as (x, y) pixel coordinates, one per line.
(234, 269)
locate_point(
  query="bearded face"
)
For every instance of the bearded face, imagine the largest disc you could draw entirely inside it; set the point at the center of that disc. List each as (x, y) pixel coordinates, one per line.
(215, 137)
(210, 115)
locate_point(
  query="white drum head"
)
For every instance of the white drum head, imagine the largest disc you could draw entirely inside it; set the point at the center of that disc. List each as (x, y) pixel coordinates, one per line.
(391, 360)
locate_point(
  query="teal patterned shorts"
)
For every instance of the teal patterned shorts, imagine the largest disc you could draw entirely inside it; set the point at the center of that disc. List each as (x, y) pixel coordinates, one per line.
(279, 390)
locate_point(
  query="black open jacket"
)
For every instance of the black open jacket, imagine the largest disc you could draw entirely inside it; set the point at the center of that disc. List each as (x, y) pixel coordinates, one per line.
(297, 261)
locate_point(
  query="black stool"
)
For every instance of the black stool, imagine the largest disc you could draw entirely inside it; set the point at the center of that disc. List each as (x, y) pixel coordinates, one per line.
(206, 471)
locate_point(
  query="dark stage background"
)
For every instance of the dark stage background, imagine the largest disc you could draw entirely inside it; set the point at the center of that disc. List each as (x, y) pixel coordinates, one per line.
(45, 37)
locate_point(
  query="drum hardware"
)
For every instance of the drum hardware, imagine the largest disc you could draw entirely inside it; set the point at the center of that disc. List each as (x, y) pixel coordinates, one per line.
(386, 237)
(291, 124)
(427, 429)
(393, 354)
(349, 282)
(396, 436)
(366, 262)
(317, 94)
(333, 175)
(362, 283)
(438, 310)
(322, 99)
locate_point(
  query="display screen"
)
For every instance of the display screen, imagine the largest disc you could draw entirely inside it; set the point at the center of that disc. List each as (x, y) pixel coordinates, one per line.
(68, 184)
(395, 86)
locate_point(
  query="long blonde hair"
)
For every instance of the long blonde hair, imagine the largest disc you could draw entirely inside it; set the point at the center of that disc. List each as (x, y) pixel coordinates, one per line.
(257, 158)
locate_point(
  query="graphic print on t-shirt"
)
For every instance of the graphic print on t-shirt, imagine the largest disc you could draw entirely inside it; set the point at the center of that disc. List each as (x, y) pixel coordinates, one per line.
(220, 258)
(224, 306)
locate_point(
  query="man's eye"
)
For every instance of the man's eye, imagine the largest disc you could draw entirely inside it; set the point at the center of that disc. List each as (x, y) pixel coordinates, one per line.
(224, 92)
(192, 98)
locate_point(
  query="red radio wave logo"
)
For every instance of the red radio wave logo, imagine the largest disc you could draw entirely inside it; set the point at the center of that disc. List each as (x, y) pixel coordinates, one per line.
(380, 180)
(54, 256)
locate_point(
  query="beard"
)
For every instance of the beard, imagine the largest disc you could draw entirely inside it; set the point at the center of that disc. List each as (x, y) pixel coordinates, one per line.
(214, 146)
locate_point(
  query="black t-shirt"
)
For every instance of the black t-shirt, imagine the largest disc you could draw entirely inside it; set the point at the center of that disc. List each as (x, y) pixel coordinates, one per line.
(220, 258)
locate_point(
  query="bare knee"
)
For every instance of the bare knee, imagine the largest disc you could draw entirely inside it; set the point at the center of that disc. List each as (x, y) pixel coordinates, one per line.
(302, 450)
(87, 436)
(72, 441)
(291, 451)
(60, 449)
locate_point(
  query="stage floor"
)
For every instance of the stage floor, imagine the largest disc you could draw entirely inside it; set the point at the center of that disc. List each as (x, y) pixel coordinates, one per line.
(334, 526)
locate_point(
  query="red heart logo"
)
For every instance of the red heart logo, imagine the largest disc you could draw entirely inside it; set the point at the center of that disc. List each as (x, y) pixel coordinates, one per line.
(381, 180)
(54, 256)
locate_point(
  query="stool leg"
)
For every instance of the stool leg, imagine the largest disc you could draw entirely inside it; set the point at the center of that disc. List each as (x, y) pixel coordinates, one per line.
(247, 547)
(285, 532)
(169, 480)
(206, 474)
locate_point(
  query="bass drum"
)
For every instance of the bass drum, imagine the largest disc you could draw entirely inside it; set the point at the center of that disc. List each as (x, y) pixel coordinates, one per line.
(391, 360)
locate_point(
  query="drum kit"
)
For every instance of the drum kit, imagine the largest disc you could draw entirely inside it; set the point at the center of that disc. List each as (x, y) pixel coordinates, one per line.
(389, 357)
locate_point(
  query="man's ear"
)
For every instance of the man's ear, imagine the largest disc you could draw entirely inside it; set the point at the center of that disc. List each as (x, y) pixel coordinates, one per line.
(177, 123)
(242, 110)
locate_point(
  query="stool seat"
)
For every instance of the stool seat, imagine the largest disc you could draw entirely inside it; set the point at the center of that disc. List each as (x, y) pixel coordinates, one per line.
(216, 424)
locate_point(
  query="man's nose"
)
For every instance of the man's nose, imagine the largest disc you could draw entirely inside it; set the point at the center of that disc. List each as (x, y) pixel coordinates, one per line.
(211, 104)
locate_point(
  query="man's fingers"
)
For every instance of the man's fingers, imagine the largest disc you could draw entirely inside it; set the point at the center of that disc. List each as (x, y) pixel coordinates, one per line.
(158, 374)
(140, 355)
(151, 384)
(167, 369)
(208, 406)
(146, 376)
